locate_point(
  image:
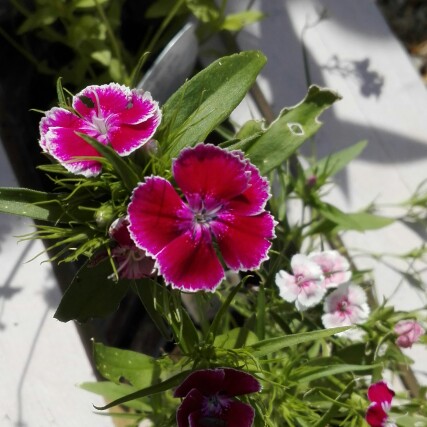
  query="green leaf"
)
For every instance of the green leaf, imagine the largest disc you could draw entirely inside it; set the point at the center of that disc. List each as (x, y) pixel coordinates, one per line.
(213, 330)
(115, 364)
(271, 345)
(237, 21)
(203, 10)
(206, 100)
(412, 420)
(309, 373)
(360, 221)
(91, 294)
(236, 338)
(146, 290)
(126, 173)
(286, 134)
(112, 391)
(337, 161)
(148, 391)
(32, 204)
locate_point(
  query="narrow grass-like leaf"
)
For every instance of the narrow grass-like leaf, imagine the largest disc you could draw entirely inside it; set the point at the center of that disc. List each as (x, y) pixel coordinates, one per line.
(122, 168)
(271, 345)
(157, 388)
(32, 204)
(112, 391)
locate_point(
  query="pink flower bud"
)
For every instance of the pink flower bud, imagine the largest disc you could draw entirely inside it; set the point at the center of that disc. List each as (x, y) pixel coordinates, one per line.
(408, 332)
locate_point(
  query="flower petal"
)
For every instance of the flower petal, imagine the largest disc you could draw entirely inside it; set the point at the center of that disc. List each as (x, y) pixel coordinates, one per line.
(67, 147)
(239, 415)
(127, 138)
(141, 108)
(375, 415)
(102, 100)
(190, 263)
(207, 381)
(288, 289)
(157, 215)
(210, 172)
(237, 382)
(192, 403)
(243, 240)
(380, 393)
(252, 201)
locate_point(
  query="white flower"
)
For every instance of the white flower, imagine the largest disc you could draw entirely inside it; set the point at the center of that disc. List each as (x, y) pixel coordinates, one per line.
(335, 267)
(345, 306)
(305, 287)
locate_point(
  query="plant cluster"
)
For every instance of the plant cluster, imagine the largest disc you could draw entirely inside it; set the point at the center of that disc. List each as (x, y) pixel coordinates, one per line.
(283, 330)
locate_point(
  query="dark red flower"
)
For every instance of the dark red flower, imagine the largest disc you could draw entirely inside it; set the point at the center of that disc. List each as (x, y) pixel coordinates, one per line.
(209, 398)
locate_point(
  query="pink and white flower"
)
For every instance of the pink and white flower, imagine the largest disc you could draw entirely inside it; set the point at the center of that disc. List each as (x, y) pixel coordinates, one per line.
(305, 286)
(113, 114)
(408, 331)
(345, 306)
(381, 395)
(335, 268)
(131, 262)
(225, 198)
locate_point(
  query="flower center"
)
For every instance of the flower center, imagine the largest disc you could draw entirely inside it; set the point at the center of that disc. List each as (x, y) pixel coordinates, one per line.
(215, 405)
(100, 125)
(343, 306)
(205, 216)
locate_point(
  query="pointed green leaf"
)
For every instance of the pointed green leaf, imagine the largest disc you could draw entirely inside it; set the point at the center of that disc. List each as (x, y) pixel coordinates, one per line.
(112, 391)
(337, 161)
(115, 364)
(32, 204)
(91, 294)
(157, 388)
(287, 133)
(206, 100)
(239, 20)
(122, 168)
(271, 345)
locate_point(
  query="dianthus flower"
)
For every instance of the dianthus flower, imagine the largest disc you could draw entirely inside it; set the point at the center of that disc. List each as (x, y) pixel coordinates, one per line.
(334, 266)
(131, 262)
(305, 286)
(408, 331)
(113, 114)
(345, 306)
(225, 200)
(377, 413)
(209, 398)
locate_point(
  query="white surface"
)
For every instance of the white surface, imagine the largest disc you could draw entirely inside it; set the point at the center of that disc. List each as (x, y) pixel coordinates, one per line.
(353, 52)
(41, 359)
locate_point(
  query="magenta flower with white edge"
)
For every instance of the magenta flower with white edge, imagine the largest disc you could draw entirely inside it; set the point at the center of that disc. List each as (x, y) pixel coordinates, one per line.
(335, 268)
(408, 331)
(225, 208)
(113, 114)
(381, 396)
(305, 286)
(345, 306)
(131, 262)
(209, 398)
